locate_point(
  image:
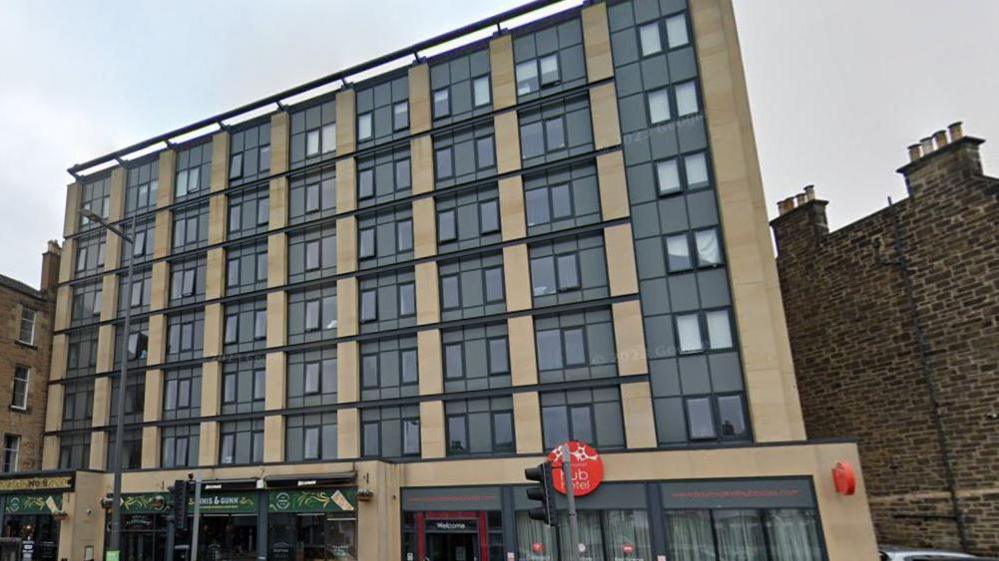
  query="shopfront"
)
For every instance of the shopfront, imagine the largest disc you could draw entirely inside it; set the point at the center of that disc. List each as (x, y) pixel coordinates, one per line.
(758, 519)
(31, 514)
(309, 519)
(144, 526)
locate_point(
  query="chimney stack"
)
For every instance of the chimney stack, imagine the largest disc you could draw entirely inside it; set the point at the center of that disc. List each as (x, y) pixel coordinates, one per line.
(956, 133)
(940, 139)
(50, 267)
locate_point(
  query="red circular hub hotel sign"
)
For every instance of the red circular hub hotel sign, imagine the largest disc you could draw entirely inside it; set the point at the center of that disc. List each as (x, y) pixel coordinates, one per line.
(587, 468)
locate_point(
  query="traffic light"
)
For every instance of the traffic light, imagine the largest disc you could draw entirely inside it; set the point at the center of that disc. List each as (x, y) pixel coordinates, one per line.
(543, 492)
(179, 494)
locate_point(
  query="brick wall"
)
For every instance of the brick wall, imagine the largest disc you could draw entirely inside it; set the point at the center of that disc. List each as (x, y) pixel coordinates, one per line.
(29, 424)
(858, 358)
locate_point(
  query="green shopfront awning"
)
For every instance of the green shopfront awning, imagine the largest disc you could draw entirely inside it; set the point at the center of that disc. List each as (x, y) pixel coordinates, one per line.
(313, 500)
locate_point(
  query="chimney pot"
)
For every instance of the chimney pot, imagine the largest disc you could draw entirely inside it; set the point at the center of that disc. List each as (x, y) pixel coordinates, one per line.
(800, 199)
(785, 206)
(940, 139)
(927, 145)
(915, 152)
(809, 192)
(956, 132)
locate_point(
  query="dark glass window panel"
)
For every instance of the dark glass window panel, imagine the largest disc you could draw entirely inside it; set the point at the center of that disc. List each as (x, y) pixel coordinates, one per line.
(575, 347)
(454, 361)
(700, 424)
(568, 272)
(549, 349)
(731, 416)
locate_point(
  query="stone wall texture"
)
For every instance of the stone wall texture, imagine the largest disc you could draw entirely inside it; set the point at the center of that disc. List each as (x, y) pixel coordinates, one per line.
(861, 370)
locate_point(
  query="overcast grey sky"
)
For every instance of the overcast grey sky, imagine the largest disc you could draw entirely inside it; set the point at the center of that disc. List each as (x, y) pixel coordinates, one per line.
(838, 88)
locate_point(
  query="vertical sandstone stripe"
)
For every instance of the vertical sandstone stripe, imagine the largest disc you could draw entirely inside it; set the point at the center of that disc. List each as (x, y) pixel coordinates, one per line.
(596, 42)
(421, 154)
(220, 161)
(274, 438)
(603, 109)
(517, 277)
(277, 260)
(280, 141)
(345, 122)
(346, 307)
(346, 245)
(527, 422)
(432, 439)
(348, 434)
(116, 202)
(507, 142)
(215, 269)
(276, 373)
(347, 372)
(277, 319)
(773, 396)
(639, 422)
(428, 308)
(71, 218)
(167, 181)
(613, 186)
(211, 388)
(346, 185)
(424, 228)
(629, 338)
(620, 250)
(523, 361)
(277, 199)
(431, 368)
(501, 72)
(419, 98)
(513, 219)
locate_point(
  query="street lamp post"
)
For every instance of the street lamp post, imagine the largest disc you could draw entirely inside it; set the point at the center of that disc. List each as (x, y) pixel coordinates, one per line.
(119, 430)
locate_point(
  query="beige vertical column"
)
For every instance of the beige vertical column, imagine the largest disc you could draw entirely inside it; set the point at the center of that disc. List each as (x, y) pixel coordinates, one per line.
(50, 452)
(215, 270)
(346, 185)
(428, 308)
(431, 364)
(629, 337)
(517, 278)
(218, 206)
(64, 306)
(596, 43)
(112, 251)
(276, 371)
(432, 438)
(278, 190)
(277, 260)
(513, 219)
(527, 422)
(348, 391)
(150, 447)
(501, 72)
(274, 438)
(346, 245)
(277, 319)
(348, 422)
(57, 367)
(67, 264)
(347, 372)
(346, 309)
(212, 343)
(53, 409)
(167, 181)
(766, 352)
(639, 421)
(116, 194)
(109, 297)
(105, 348)
(419, 98)
(603, 112)
(220, 161)
(164, 233)
(152, 411)
(620, 250)
(71, 218)
(507, 130)
(421, 156)
(152, 405)
(98, 449)
(208, 444)
(424, 228)
(211, 388)
(157, 339)
(523, 361)
(613, 186)
(159, 296)
(346, 127)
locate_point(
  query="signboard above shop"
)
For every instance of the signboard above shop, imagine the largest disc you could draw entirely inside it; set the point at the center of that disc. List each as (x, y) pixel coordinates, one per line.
(587, 468)
(46, 483)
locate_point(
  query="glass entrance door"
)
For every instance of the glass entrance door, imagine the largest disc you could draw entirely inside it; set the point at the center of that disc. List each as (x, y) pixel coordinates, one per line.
(452, 547)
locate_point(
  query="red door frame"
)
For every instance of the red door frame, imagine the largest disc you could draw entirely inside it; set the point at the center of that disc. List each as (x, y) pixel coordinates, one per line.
(478, 516)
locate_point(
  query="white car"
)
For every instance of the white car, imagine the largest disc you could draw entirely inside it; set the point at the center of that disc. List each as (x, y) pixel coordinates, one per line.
(893, 553)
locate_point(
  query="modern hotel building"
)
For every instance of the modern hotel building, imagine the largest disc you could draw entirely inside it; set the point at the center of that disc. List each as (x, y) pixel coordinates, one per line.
(363, 306)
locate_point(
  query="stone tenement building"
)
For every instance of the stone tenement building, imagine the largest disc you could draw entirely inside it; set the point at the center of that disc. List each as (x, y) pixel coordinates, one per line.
(893, 326)
(25, 352)
(361, 313)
